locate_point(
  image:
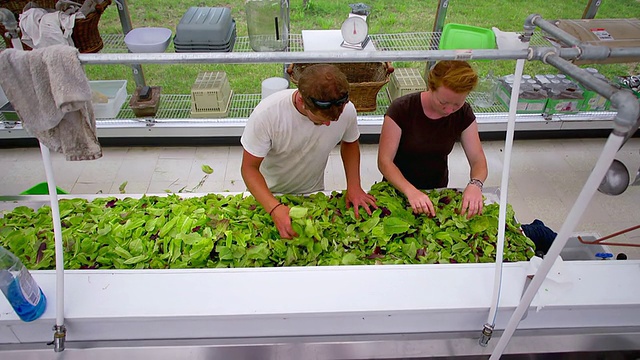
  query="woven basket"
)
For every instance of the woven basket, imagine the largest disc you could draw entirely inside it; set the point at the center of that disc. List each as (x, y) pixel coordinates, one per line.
(86, 36)
(365, 80)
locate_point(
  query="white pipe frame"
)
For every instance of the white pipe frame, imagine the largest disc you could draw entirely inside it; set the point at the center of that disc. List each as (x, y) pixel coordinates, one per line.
(626, 118)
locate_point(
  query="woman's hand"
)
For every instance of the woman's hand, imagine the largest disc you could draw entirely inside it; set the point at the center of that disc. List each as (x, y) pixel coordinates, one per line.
(420, 203)
(472, 201)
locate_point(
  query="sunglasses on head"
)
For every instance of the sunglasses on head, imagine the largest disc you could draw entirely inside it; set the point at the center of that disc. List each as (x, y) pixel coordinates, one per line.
(325, 104)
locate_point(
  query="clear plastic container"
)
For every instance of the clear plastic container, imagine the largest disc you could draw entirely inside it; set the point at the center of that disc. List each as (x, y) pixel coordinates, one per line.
(268, 24)
(21, 290)
(485, 92)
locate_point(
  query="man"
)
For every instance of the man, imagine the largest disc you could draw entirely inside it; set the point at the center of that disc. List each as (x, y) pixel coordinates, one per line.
(289, 136)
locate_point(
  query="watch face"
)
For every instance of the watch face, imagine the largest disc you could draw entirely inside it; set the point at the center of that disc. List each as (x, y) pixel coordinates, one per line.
(354, 30)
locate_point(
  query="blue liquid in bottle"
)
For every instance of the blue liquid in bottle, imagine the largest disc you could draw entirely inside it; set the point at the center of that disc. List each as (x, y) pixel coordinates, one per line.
(25, 309)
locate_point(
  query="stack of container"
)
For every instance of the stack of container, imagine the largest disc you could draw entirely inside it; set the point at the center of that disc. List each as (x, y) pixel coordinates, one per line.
(565, 95)
(532, 98)
(205, 29)
(592, 100)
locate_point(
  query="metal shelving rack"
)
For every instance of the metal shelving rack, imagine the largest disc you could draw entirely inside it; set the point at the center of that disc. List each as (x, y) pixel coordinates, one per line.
(567, 317)
(174, 118)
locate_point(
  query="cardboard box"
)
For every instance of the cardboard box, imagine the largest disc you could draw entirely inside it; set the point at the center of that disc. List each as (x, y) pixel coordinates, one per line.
(565, 94)
(525, 106)
(614, 33)
(594, 101)
(563, 106)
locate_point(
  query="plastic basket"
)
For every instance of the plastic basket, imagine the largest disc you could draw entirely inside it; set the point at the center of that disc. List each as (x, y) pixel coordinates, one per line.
(86, 36)
(211, 95)
(365, 80)
(41, 189)
(405, 81)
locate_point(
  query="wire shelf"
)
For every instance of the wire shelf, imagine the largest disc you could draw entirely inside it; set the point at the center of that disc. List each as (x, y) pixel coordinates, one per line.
(178, 107)
(415, 41)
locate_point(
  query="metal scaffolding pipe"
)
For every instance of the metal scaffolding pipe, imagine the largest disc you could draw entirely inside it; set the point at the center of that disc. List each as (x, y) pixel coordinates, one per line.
(538, 53)
(300, 57)
(551, 29)
(585, 51)
(625, 52)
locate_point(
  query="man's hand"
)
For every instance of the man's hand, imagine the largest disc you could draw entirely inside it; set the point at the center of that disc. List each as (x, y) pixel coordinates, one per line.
(421, 203)
(281, 218)
(472, 201)
(357, 198)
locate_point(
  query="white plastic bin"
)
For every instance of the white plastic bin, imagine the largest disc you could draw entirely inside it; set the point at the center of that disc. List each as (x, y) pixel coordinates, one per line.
(116, 91)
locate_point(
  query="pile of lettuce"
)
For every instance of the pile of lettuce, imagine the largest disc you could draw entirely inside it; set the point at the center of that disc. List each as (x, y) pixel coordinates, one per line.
(234, 231)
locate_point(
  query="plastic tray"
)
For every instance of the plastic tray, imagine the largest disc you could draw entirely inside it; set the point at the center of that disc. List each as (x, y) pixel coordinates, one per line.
(204, 25)
(459, 36)
(41, 189)
(116, 91)
(194, 47)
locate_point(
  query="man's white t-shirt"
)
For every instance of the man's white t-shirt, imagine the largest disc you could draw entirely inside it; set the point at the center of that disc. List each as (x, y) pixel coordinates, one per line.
(295, 150)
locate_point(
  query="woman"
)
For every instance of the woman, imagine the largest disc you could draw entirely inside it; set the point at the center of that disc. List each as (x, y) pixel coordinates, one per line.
(419, 132)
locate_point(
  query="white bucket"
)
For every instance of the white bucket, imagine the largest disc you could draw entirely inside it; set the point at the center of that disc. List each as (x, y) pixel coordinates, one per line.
(272, 85)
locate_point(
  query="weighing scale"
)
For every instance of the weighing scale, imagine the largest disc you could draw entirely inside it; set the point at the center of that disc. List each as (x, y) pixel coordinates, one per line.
(355, 29)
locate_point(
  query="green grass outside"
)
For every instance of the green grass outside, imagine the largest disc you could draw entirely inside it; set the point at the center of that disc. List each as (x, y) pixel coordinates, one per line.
(387, 17)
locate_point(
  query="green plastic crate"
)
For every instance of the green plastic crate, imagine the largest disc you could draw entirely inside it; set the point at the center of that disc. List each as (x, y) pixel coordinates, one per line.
(41, 189)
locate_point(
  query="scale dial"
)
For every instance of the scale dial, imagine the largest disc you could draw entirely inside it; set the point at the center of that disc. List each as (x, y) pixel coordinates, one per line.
(354, 30)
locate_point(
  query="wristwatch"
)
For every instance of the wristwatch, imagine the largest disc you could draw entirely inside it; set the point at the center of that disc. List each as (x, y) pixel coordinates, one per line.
(476, 182)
